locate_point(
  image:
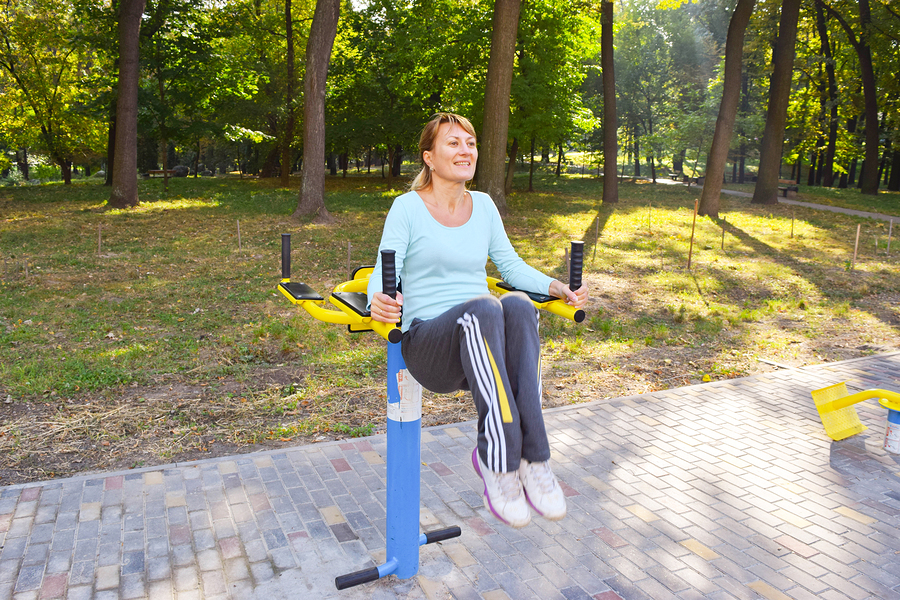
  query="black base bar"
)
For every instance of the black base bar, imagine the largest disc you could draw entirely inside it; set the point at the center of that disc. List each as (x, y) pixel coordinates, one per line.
(343, 582)
(351, 579)
(442, 534)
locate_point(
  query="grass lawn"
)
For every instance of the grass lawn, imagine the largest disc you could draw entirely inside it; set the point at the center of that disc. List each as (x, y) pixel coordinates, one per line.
(140, 337)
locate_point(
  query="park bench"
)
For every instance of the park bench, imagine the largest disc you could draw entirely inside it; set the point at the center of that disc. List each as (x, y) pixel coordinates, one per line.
(675, 175)
(787, 185)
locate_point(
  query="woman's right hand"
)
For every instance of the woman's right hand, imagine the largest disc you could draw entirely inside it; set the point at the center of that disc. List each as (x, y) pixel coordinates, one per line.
(386, 309)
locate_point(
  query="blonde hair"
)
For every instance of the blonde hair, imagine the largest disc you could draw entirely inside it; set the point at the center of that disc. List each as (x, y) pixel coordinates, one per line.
(427, 140)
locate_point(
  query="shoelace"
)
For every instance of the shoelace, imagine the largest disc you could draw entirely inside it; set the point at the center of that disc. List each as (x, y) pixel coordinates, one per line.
(509, 484)
(541, 475)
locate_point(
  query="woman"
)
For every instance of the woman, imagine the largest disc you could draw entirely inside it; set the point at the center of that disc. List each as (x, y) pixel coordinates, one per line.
(456, 335)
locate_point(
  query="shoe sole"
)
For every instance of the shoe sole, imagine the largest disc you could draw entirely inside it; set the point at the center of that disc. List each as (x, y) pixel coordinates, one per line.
(487, 498)
(548, 517)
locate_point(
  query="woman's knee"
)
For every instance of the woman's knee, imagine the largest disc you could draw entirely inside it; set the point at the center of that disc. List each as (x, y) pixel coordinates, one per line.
(485, 307)
(517, 307)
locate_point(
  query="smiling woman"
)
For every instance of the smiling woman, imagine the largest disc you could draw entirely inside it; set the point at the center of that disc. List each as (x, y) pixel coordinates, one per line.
(456, 336)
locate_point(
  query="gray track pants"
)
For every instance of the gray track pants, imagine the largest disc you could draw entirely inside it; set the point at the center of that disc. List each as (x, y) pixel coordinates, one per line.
(491, 347)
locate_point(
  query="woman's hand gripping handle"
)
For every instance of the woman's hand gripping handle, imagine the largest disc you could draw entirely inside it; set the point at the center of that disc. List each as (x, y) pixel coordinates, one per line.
(387, 304)
(575, 294)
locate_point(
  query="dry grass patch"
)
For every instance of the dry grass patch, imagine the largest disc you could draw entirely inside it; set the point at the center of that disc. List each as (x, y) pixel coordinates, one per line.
(141, 337)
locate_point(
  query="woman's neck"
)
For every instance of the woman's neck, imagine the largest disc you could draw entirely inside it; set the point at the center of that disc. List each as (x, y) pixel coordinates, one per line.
(447, 195)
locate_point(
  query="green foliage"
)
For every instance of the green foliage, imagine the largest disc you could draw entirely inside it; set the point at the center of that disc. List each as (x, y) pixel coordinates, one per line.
(44, 74)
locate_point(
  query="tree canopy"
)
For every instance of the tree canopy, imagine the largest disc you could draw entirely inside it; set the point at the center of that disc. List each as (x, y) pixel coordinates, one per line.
(221, 85)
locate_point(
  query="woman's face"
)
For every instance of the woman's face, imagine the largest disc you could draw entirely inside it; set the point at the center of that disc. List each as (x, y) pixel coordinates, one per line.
(454, 154)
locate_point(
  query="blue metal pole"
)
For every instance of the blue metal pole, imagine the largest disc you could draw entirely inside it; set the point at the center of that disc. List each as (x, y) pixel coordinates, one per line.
(404, 434)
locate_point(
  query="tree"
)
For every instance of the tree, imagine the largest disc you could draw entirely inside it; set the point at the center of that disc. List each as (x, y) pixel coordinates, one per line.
(124, 191)
(731, 94)
(289, 99)
(43, 62)
(863, 49)
(831, 101)
(553, 43)
(610, 126)
(495, 126)
(766, 191)
(318, 55)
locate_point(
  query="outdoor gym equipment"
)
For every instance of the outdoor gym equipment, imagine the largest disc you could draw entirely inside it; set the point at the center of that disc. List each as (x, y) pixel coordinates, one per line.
(404, 396)
(840, 420)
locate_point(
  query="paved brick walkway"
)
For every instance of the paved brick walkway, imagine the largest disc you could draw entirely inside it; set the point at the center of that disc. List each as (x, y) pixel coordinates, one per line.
(723, 490)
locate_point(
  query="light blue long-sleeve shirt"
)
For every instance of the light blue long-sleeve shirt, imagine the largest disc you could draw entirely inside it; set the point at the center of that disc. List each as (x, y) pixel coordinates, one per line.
(439, 266)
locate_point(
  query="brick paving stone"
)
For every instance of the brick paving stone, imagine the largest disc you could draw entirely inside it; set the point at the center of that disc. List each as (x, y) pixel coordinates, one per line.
(697, 492)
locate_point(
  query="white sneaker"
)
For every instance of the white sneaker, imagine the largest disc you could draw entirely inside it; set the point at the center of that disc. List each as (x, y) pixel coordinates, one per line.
(503, 494)
(542, 490)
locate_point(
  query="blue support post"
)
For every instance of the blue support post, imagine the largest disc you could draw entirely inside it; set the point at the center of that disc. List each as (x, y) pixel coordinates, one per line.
(404, 437)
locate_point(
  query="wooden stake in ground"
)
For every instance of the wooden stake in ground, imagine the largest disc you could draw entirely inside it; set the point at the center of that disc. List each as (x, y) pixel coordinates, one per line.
(239, 234)
(693, 227)
(99, 239)
(855, 247)
(890, 231)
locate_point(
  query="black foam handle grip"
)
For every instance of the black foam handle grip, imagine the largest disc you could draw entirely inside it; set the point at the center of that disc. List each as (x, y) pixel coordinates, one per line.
(343, 582)
(442, 534)
(285, 256)
(388, 273)
(576, 264)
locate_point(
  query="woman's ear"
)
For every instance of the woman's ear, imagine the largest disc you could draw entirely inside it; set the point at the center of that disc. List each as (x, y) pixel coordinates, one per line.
(426, 158)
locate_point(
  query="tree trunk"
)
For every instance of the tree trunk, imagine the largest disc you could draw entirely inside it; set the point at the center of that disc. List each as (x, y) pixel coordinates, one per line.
(22, 163)
(124, 193)
(637, 151)
(766, 191)
(495, 127)
(390, 166)
(111, 145)
(318, 54)
(870, 175)
(288, 138)
(894, 181)
(559, 158)
(531, 168)
(397, 164)
(610, 126)
(811, 176)
(827, 163)
(511, 167)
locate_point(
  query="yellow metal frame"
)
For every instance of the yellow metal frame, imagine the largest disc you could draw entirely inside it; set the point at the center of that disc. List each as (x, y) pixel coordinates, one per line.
(557, 307)
(359, 283)
(836, 410)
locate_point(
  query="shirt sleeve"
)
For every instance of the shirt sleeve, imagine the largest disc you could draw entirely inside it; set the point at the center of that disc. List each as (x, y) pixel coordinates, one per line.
(395, 236)
(513, 269)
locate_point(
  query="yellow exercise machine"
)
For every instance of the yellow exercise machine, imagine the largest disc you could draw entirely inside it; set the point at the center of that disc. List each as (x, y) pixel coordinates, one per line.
(350, 297)
(835, 406)
(404, 400)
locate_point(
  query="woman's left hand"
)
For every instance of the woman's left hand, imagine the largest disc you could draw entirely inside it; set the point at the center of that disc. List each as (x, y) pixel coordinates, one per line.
(578, 298)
